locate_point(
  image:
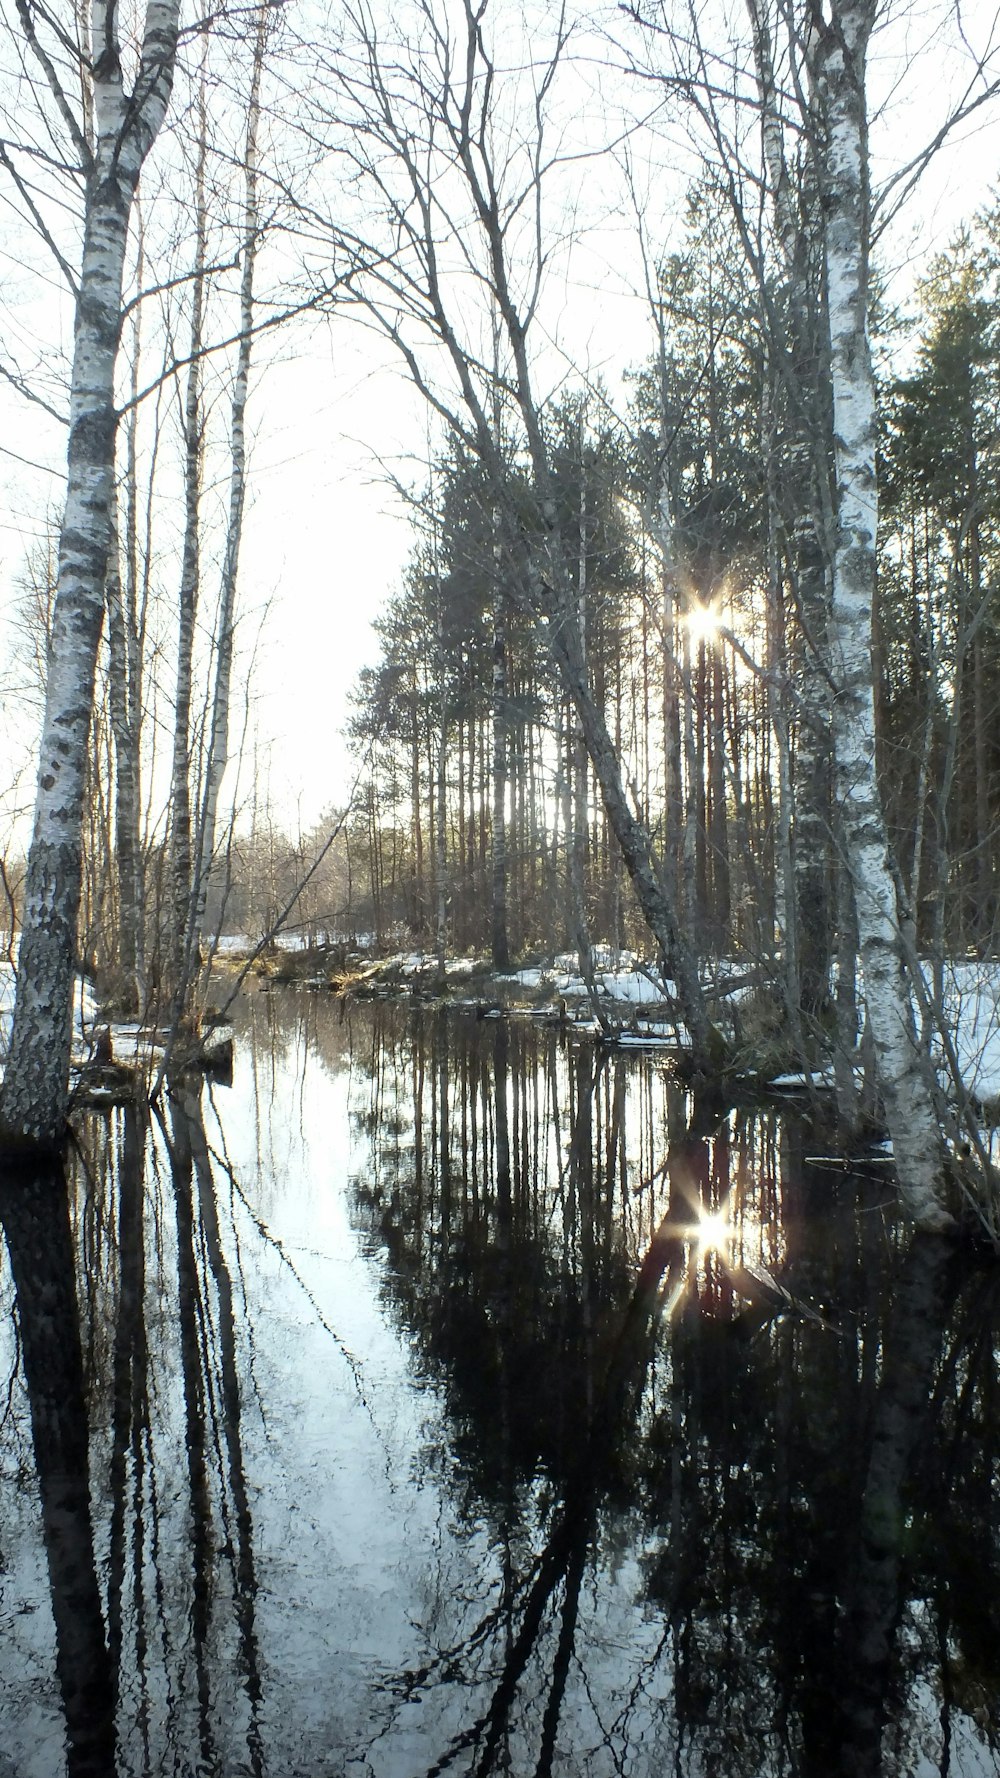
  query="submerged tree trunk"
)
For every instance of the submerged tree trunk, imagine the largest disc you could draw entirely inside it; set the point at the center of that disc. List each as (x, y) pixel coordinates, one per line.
(839, 84)
(36, 1085)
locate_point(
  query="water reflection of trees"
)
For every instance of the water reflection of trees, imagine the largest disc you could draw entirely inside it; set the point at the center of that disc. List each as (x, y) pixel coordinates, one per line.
(796, 1481)
(35, 1214)
(129, 1346)
(717, 1537)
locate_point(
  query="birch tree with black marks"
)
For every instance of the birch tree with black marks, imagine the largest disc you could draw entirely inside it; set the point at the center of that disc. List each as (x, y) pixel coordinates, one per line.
(103, 106)
(837, 57)
(785, 136)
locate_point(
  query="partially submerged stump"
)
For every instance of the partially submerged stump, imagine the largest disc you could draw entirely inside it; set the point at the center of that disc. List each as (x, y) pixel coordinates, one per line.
(124, 1060)
(99, 1084)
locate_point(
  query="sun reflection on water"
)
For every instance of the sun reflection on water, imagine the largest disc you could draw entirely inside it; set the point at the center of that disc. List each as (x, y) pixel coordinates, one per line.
(713, 1231)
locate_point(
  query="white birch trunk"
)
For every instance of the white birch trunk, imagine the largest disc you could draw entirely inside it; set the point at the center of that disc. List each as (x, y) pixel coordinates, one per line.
(35, 1090)
(838, 58)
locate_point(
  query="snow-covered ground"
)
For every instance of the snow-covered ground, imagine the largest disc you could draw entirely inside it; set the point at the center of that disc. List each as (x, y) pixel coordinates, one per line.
(617, 976)
(627, 983)
(240, 944)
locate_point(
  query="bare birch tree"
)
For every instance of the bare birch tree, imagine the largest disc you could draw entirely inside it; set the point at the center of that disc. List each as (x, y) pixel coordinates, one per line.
(106, 137)
(819, 199)
(837, 56)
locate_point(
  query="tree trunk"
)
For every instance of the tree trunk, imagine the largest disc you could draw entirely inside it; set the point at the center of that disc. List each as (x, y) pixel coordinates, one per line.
(839, 68)
(441, 792)
(499, 943)
(181, 867)
(123, 699)
(634, 843)
(218, 744)
(576, 766)
(800, 361)
(36, 1085)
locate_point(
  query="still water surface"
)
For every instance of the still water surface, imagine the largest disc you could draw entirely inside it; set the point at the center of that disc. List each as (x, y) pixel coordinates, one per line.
(390, 1412)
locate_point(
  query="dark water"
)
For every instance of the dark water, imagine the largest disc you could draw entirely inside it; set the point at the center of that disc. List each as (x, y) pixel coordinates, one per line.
(383, 1415)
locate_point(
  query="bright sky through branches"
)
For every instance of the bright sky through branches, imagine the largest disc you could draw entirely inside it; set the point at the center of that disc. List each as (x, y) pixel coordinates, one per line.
(334, 422)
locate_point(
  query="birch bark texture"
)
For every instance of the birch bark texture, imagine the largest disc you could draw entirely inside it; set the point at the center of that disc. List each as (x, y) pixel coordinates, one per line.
(838, 51)
(110, 157)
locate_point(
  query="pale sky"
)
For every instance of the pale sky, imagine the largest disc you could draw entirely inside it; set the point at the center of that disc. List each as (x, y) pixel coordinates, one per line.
(325, 538)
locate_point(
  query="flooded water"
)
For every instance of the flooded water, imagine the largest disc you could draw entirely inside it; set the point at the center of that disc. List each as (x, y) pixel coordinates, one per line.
(443, 1397)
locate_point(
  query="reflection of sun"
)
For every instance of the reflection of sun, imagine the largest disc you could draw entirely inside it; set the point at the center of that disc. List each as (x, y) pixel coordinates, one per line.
(713, 1230)
(703, 622)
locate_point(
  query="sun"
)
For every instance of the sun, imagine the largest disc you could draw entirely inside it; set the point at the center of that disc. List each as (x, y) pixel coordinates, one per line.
(703, 622)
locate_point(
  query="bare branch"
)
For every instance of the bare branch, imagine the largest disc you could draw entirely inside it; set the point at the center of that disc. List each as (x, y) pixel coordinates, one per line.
(17, 382)
(44, 60)
(41, 227)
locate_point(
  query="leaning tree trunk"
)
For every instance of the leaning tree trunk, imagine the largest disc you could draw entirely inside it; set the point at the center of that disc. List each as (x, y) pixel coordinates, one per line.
(552, 601)
(400, 122)
(36, 1085)
(651, 890)
(838, 56)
